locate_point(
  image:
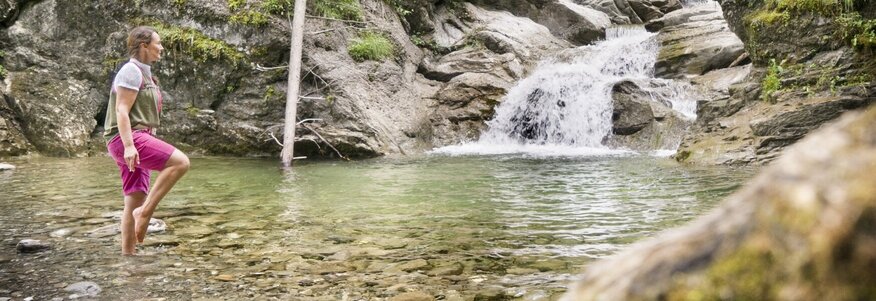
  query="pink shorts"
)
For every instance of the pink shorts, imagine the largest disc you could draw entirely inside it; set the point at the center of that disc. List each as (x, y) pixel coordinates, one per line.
(154, 153)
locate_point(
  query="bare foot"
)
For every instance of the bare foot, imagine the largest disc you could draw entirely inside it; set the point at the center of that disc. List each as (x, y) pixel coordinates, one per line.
(141, 224)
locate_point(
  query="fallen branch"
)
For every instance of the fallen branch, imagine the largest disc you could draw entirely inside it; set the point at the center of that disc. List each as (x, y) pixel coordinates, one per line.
(330, 30)
(309, 120)
(339, 20)
(262, 68)
(326, 142)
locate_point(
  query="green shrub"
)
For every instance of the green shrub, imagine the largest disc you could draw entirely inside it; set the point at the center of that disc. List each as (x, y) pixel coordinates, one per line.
(234, 5)
(194, 43)
(371, 46)
(339, 9)
(399, 7)
(277, 7)
(857, 31)
(2, 72)
(771, 81)
(768, 17)
(249, 17)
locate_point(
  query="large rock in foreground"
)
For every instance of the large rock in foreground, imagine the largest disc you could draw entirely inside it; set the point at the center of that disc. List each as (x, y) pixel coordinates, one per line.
(802, 230)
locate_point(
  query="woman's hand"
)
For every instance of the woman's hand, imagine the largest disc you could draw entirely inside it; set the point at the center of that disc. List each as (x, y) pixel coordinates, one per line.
(132, 157)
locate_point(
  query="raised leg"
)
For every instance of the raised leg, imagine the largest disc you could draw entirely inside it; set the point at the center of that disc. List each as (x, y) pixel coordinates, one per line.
(129, 239)
(174, 169)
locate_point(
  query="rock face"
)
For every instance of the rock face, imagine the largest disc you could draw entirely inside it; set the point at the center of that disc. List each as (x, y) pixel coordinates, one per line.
(694, 41)
(803, 76)
(218, 99)
(802, 230)
(641, 122)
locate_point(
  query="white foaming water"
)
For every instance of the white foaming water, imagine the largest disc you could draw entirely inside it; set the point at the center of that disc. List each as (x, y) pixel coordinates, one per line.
(564, 107)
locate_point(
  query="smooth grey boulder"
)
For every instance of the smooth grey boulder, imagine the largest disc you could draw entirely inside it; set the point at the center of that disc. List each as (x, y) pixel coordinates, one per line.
(32, 246)
(631, 113)
(84, 289)
(5, 166)
(643, 119)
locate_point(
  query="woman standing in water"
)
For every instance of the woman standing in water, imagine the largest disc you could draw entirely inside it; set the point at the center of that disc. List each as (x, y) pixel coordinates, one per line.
(131, 119)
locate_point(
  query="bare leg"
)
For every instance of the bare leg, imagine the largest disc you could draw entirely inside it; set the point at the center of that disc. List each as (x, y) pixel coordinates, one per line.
(174, 169)
(129, 241)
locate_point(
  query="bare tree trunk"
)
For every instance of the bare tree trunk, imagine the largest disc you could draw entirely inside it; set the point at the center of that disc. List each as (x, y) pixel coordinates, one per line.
(294, 81)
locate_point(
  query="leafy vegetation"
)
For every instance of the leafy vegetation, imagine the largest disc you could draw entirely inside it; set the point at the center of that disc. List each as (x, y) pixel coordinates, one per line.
(399, 6)
(771, 82)
(194, 43)
(257, 14)
(339, 9)
(2, 70)
(371, 46)
(768, 17)
(860, 32)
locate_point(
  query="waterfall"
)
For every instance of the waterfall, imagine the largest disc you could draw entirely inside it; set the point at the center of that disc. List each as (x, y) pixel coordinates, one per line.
(565, 106)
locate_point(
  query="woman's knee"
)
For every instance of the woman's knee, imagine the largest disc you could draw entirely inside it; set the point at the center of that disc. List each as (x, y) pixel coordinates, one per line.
(180, 161)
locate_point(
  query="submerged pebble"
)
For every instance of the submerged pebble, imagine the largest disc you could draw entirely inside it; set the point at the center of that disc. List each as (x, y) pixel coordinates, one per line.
(32, 246)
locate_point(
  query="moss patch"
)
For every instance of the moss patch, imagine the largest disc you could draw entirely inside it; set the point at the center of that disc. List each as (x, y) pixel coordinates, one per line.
(371, 46)
(195, 43)
(2, 69)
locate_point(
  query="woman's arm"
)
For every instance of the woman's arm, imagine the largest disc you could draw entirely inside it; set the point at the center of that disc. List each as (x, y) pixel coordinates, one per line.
(124, 101)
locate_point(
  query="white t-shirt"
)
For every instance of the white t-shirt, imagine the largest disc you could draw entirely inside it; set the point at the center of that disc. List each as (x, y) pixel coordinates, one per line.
(130, 76)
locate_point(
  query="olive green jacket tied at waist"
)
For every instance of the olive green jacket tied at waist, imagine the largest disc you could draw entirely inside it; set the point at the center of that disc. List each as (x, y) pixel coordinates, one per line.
(145, 111)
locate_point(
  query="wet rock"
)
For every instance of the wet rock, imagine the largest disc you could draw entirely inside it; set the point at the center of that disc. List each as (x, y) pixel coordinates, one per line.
(451, 269)
(32, 246)
(686, 15)
(225, 278)
(502, 32)
(414, 265)
(155, 226)
(60, 233)
(573, 22)
(802, 230)
(84, 289)
(5, 166)
(521, 271)
(642, 118)
(630, 114)
(306, 282)
(492, 293)
(329, 268)
(412, 296)
(694, 48)
(340, 239)
(719, 81)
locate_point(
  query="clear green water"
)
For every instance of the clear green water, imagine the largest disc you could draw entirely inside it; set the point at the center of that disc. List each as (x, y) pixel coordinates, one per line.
(450, 227)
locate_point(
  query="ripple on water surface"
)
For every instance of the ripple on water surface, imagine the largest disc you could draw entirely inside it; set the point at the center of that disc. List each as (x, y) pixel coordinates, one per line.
(443, 225)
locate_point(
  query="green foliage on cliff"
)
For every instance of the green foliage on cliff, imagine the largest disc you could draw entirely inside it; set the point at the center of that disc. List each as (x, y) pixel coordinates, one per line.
(858, 31)
(371, 46)
(400, 7)
(2, 70)
(768, 17)
(339, 9)
(771, 82)
(257, 13)
(195, 44)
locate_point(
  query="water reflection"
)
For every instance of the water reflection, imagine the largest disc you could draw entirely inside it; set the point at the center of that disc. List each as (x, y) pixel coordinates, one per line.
(444, 226)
